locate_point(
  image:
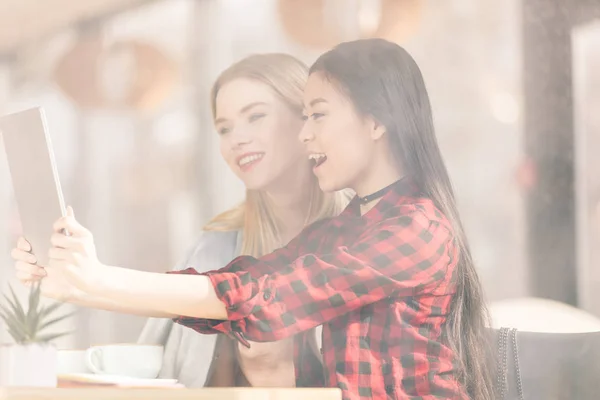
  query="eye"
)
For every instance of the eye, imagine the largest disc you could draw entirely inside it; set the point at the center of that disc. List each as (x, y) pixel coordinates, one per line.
(222, 131)
(316, 116)
(256, 117)
(304, 117)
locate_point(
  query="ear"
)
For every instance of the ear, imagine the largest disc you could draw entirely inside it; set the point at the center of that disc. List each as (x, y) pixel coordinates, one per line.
(378, 130)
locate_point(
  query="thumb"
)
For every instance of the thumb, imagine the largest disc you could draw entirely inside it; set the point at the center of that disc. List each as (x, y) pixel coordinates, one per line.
(70, 212)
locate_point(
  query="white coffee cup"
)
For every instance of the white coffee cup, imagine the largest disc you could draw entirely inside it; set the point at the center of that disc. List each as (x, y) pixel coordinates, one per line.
(71, 362)
(131, 360)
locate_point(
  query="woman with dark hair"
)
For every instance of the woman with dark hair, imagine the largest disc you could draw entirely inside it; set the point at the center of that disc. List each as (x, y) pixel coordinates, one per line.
(391, 279)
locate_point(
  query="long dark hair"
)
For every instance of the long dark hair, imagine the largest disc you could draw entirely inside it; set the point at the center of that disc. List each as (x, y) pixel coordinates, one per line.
(383, 81)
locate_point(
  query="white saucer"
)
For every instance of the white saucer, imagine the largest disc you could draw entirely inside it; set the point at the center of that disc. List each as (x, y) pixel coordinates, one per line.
(117, 380)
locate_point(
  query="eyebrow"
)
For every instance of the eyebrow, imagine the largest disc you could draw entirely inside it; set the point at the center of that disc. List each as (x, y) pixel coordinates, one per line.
(244, 109)
(317, 101)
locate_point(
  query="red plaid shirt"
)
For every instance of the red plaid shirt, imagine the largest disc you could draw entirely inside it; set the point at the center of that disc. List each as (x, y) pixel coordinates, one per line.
(380, 284)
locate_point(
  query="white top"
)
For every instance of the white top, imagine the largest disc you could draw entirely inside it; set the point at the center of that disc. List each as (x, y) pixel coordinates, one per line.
(188, 354)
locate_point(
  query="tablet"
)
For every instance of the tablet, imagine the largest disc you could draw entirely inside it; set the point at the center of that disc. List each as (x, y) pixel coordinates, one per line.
(34, 177)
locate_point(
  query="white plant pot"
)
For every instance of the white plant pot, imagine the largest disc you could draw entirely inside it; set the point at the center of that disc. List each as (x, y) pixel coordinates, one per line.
(32, 365)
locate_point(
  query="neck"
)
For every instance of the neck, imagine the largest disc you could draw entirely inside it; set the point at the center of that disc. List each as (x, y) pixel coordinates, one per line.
(377, 179)
(383, 172)
(290, 204)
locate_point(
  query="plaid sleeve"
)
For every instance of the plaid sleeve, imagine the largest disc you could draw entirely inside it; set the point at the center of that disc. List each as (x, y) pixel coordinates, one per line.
(400, 257)
(245, 266)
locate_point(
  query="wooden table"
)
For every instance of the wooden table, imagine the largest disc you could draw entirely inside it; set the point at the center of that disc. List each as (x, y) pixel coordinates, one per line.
(170, 394)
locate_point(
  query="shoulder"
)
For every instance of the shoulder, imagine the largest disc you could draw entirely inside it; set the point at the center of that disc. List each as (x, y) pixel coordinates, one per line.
(211, 239)
(418, 212)
(213, 249)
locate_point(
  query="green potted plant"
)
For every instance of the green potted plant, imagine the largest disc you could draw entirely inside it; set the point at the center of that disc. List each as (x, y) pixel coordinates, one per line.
(31, 360)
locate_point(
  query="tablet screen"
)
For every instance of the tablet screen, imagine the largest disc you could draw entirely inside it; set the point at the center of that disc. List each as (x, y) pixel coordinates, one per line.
(34, 177)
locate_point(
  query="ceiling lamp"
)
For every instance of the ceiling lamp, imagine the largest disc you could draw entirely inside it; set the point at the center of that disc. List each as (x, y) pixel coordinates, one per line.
(121, 75)
(324, 23)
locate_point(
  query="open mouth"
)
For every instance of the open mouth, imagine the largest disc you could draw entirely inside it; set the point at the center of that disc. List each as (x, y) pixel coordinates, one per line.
(318, 159)
(249, 160)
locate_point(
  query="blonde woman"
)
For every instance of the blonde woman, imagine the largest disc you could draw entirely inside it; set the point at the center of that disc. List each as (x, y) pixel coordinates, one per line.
(257, 110)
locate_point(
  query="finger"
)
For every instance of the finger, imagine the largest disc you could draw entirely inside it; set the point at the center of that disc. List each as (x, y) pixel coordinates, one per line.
(25, 277)
(24, 256)
(23, 244)
(58, 254)
(70, 213)
(66, 242)
(33, 270)
(70, 224)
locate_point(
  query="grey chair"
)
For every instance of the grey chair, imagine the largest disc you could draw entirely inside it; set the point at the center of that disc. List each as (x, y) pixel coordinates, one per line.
(545, 366)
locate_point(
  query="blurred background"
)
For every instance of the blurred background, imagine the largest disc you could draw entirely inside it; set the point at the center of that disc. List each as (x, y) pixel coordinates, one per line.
(515, 87)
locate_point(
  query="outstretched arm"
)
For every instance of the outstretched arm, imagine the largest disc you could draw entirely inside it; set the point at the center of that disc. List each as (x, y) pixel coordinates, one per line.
(126, 290)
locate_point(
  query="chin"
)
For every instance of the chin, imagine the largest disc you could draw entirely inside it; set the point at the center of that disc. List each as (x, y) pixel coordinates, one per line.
(254, 184)
(329, 186)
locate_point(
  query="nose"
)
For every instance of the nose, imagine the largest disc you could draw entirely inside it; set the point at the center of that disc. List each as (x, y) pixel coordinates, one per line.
(306, 134)
(240, 137)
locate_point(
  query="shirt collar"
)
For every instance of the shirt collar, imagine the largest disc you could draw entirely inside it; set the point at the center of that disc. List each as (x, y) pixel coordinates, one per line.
(403, 188)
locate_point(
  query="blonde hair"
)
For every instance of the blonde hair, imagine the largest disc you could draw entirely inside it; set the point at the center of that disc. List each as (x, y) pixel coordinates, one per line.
(286, 76)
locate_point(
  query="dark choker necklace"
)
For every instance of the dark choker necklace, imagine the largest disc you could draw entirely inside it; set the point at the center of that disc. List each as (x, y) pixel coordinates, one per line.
(373, 196)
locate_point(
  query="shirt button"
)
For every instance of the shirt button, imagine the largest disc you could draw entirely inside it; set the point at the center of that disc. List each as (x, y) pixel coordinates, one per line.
(267, 294)
(321, 351)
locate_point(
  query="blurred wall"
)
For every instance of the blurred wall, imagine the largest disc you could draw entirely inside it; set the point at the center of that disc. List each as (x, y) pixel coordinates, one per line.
(470, 55)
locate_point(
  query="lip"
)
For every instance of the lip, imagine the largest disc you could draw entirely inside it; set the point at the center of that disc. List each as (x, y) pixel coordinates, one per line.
(251, 164)
(317, 167)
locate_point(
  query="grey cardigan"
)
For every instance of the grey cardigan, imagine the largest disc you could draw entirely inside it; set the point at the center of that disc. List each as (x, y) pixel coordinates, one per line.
(188, 354)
